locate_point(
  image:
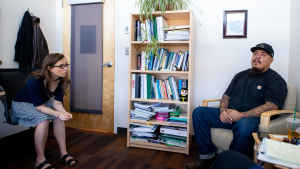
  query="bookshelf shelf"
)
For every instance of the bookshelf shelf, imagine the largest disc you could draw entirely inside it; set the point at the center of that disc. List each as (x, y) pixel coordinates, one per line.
(155, 146)
(162, 42)
(160, 72)
(171, 15)
(158, 101)
(155, 122)
(177, 60)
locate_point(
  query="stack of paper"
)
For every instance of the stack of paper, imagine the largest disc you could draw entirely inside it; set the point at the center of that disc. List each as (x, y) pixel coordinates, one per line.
(281, 153)
(175, 136)
(177, 35)
(142, 132)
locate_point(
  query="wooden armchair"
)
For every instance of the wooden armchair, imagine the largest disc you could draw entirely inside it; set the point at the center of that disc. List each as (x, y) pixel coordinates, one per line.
(223, 137)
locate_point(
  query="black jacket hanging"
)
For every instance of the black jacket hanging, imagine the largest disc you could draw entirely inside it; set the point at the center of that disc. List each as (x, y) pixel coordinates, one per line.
(40, 47)
(24, 44)
(31, 46)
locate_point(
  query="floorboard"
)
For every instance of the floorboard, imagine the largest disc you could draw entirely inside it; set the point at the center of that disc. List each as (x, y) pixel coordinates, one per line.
(93, 150)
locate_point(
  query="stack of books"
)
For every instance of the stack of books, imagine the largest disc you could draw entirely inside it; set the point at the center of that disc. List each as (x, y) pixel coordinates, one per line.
(142, 111)
(162, 116)
(163, 110)
(174, 136)
(141, 114)
(150, 28)
(146, 86)
(144, 133)
(177, 33)
(163, 60)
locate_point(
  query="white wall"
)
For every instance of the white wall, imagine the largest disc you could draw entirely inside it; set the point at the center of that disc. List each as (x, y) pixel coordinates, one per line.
(123, 10)
(294, 68)
(216, 59)
(11, 14)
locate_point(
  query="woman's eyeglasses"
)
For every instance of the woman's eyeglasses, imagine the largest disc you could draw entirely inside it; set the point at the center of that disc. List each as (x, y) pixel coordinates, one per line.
(62, 66)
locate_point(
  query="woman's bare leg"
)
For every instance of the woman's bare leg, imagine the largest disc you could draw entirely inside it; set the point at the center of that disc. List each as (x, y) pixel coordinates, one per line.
(40, 139)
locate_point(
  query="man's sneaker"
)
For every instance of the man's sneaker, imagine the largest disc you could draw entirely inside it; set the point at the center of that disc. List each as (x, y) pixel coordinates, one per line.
(200, 164)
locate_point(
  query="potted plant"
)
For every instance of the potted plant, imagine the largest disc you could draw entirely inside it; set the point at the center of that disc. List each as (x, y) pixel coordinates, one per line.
(147, 7)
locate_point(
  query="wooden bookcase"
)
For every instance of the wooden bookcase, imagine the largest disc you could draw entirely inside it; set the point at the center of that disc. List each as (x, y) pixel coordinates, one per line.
(173, 18)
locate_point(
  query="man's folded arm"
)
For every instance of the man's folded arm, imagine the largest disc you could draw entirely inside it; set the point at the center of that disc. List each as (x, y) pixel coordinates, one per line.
(224, 103)
(260, 109)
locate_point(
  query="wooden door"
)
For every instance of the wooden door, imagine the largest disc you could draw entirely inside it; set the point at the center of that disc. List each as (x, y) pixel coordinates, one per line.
(95, 122)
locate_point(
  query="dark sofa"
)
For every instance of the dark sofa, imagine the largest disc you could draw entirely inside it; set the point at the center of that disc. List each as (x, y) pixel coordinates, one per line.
(12, 80)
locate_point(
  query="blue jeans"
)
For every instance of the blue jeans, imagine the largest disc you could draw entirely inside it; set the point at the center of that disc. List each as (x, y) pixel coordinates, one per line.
(205, 118)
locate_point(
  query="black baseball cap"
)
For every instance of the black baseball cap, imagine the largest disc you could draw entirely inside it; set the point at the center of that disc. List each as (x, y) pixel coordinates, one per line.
(265, 47)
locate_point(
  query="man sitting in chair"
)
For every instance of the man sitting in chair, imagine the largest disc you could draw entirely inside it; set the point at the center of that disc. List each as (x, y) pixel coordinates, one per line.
(250, 93)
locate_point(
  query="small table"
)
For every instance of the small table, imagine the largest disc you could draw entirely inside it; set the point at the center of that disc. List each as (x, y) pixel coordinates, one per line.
(257, 140)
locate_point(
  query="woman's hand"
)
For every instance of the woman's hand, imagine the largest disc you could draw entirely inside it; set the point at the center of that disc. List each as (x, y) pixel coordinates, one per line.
(65, 116)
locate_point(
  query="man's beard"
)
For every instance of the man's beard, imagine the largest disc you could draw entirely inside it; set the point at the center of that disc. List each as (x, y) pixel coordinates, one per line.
(255, 71)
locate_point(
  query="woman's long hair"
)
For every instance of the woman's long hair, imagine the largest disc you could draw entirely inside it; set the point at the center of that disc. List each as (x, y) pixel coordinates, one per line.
(45, 74)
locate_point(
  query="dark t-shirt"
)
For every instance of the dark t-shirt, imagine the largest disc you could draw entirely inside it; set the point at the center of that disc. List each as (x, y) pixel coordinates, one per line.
(248, 90)
(36, 93)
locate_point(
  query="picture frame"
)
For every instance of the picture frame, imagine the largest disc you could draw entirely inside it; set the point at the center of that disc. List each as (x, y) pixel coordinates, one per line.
(235, 24)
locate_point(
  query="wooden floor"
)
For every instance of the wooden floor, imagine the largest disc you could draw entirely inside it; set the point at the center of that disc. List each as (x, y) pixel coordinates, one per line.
(93, 150)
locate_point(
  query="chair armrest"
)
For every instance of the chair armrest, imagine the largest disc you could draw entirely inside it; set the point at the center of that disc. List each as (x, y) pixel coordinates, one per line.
(256, 138)
(266, 116)
(205, 102)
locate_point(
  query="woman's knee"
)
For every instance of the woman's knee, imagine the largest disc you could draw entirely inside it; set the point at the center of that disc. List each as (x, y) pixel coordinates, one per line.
(44, 125)
(58, 121)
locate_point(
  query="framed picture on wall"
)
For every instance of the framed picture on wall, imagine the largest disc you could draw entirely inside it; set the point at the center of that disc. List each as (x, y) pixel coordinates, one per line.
(235, 24)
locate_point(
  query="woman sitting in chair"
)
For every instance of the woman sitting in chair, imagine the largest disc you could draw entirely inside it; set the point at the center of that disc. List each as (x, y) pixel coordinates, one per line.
(40, 102)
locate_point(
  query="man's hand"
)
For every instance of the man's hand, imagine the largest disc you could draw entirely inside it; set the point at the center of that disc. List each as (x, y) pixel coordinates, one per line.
(224, 116)
(230, 116)
(235, 115)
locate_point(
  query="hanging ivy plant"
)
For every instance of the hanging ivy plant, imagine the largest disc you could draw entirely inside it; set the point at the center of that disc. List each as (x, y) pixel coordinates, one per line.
(147, 7)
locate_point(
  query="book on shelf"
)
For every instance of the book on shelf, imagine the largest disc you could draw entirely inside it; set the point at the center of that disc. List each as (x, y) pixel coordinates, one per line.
(177, 131)
(177, 35)
(177, 27)
(142, 132)
(158, 29)
(135, 85)
(150, 28)
(149, 87)
(164, 108)
(173, 136)
(143, 127)
(164, 60)
(173, 142)
(138, 62)
(145, 105)
(140, 113)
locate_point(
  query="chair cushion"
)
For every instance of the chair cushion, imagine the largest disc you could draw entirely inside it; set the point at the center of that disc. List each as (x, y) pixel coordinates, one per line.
(290, 101)
(277, 126)
(221, 138)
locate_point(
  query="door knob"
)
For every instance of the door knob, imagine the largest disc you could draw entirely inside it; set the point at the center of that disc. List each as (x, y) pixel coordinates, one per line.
(107, 64)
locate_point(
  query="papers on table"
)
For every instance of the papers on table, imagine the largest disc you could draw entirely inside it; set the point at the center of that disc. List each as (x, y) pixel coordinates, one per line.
(280, 153)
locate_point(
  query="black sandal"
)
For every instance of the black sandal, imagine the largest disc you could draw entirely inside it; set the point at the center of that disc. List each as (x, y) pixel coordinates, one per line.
(72, 162)
(43, 164)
